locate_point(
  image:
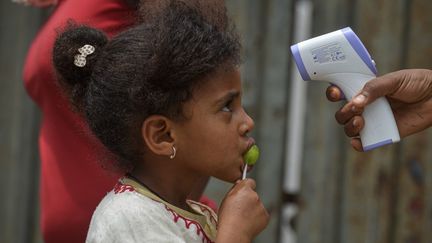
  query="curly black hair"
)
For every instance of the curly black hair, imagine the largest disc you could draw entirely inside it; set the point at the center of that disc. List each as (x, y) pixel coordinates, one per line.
(149, 69)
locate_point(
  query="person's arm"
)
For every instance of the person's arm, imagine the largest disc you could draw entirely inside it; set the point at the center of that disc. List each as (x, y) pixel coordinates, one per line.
(409, 93)
(242, 215)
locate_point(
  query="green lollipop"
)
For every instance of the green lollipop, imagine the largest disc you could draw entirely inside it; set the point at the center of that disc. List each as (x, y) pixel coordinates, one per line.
(250, 158)
(251, 155)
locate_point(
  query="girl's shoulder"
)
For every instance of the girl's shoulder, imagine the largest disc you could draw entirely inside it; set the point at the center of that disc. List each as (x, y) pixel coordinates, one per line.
(125, 201)
(124, 214)
(130, 211)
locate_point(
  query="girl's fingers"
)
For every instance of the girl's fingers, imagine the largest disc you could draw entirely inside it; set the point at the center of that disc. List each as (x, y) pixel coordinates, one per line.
(250, 183)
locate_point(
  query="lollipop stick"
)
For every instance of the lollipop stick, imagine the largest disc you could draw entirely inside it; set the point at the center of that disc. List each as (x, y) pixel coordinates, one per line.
(244, 172)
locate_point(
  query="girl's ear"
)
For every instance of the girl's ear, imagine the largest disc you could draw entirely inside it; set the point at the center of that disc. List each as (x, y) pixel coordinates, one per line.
(156, 132)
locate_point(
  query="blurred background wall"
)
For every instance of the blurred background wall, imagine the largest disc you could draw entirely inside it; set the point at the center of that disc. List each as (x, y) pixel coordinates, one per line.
(19, 123)
(383, 196)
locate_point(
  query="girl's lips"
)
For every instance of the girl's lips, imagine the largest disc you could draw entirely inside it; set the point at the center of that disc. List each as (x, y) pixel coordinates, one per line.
(250, 143)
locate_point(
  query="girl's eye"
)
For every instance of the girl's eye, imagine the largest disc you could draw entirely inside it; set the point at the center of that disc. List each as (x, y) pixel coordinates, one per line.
(227, 107)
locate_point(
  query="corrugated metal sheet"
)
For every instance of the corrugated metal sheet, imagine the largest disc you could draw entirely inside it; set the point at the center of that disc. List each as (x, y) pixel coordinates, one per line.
(383, 196)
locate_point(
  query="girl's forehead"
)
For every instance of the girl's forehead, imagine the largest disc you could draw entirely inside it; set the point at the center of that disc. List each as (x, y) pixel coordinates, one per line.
(213, 93)
(218, 84)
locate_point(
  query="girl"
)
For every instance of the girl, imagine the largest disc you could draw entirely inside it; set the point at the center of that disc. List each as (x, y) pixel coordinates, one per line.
(165, 98)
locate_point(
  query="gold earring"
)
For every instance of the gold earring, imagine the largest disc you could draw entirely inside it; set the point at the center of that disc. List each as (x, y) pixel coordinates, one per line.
(172, 156)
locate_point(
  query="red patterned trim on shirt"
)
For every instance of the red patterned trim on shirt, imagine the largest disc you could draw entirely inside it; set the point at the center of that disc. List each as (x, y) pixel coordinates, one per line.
(188, 222)
(120, 187)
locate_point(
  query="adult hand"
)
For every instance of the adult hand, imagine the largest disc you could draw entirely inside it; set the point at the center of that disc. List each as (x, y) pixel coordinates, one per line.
(409, 93)
(241, 215)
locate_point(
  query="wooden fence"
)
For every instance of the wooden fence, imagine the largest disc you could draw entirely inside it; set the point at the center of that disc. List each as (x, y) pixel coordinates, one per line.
(383, 196)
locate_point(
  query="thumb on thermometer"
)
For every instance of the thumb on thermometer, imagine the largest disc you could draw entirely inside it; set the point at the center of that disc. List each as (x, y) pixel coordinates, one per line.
(374, 89)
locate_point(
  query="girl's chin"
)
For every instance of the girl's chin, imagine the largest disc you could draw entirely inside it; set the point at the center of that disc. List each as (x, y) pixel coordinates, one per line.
(234, 179)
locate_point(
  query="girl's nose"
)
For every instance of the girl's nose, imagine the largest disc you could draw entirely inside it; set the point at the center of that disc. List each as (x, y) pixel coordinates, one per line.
(247, 124)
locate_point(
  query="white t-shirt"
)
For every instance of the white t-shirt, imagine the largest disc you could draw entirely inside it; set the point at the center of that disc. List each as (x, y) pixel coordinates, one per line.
(131, 213)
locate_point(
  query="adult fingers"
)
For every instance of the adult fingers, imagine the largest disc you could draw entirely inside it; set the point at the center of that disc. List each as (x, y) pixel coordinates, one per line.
(376, 88)
(347, 112)
(353, 127)
(334, 94)
(356, 144)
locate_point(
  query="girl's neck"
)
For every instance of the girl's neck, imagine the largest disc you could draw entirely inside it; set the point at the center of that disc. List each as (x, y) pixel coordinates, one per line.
(171, 190)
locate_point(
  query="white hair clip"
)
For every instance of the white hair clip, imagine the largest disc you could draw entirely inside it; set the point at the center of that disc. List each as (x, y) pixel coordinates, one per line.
(80, 59)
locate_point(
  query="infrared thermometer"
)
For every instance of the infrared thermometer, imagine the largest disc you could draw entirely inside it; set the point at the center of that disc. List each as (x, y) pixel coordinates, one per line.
(340, 58)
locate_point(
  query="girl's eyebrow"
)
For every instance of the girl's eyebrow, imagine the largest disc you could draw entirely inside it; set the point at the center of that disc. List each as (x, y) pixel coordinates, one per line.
(230, 95)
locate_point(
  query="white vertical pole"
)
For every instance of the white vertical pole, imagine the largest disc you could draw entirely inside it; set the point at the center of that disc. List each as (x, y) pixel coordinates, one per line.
(296, 118)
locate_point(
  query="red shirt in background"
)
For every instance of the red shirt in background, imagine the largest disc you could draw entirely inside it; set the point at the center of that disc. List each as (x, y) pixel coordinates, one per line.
(72, 182)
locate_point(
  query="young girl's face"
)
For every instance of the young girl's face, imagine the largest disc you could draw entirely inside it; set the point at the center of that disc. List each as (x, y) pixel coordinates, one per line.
(213, 139)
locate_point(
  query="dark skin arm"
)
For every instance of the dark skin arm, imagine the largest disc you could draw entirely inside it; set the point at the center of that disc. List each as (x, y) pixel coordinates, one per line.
(409, 93)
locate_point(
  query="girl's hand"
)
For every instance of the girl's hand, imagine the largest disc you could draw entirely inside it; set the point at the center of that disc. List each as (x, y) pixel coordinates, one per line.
(241, 215)
(37, 3)
(409, 93)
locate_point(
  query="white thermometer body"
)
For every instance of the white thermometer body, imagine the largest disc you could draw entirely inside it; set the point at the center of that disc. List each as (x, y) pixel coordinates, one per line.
(340, 58)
